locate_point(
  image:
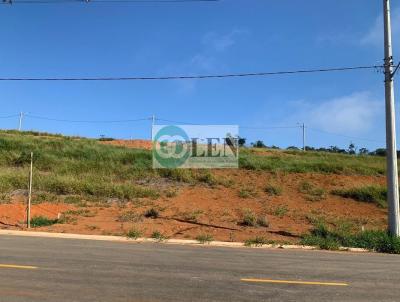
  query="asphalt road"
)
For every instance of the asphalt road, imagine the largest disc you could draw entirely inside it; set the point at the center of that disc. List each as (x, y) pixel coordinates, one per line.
(83, 270)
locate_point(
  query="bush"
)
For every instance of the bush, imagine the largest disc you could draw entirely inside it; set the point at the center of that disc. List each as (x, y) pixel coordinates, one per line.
(152, 213)
(158, 236)
(249, 219)
(134, 234)
(40, 221)
(313, 193)
(325, 238)
(280, 211)
(373, 194)
(204, 238)
(273, 190)
(257, 241)
(247, 193)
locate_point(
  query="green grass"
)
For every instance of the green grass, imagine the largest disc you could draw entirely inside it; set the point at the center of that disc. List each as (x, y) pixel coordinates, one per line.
(134, 234)
(372, 194)
(158, 236)
(204, 238)
(247, 193)
(40, 221)
(84, 168)
(312, 192)
(257, 241)
(332, 239)
(280, 211)
(250, 219)
(302, 162)
(273, 190)
(78, 169)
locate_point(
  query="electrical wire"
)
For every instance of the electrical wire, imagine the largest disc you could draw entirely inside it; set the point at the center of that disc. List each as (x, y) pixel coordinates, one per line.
(342, 135)
(193, 77)
(9, 116)
(11, 2)
(85, 121)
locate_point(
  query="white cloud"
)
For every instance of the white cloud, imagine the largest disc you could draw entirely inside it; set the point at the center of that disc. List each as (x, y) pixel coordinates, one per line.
(221, 43)
(209, 59)
(354, 114)
(374, 36)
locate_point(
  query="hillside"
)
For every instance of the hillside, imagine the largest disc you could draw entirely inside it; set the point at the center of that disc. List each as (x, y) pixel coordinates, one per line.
(100, 188)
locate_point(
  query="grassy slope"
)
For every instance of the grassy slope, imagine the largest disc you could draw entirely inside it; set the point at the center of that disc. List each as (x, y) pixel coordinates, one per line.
(84, 167)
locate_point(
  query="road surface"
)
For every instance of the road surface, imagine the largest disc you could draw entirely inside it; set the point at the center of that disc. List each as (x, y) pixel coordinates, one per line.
(46, 269)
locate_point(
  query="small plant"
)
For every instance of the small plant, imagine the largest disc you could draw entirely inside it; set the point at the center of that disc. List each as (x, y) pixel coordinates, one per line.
(263, 221)
(192, 216)
(152, 213)
(129, 216)
(280, 211)
(171, 193)
(257, 241)
(247, 193)
(92, 227)
(313, 193)
(273, 190)
(204, 238)
(373, 194)
(249, 218)
(40, 221)
(158, 236)
(134, 234)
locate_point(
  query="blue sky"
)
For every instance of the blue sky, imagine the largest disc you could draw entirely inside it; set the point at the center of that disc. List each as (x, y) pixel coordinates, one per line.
(230, 36)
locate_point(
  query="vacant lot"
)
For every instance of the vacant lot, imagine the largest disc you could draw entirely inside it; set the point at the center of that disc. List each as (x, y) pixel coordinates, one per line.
(100, 188)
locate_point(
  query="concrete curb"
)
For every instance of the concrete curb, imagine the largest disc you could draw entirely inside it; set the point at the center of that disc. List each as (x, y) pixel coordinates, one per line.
(167, 241)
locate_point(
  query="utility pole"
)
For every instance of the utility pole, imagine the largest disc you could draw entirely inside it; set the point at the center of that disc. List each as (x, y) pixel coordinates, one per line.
(153, 122)
(28, 214)
(304, 136)
(21, 116)
(391, 149)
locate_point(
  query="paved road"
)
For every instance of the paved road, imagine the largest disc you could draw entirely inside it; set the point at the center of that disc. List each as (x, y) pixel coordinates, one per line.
(83, 270)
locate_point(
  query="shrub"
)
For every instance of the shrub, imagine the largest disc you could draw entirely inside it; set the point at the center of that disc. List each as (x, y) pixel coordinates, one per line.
(325, 238)
(247, 193)
(263, 221)
(373, 194)
(152, 213)
(249, 218)
(40, 221)
(280, 211)
(257, 241)
(273, 190)
(204, 238)
(134, 234)
(158, 236)
(313, 193)
(192, 216)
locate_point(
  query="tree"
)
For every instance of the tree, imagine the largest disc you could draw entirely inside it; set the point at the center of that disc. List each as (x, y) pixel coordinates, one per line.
(352, 149)
(363, 151)
(241, 141)
(259, 144)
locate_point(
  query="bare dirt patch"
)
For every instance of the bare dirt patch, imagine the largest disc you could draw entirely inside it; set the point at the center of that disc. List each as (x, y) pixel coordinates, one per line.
(217, 210)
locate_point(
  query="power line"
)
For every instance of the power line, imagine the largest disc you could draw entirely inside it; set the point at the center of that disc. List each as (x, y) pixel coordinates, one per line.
(10, 2)
(346, 136)
(268, 127)
(9, 116)
(86, 121)
(192, 77)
